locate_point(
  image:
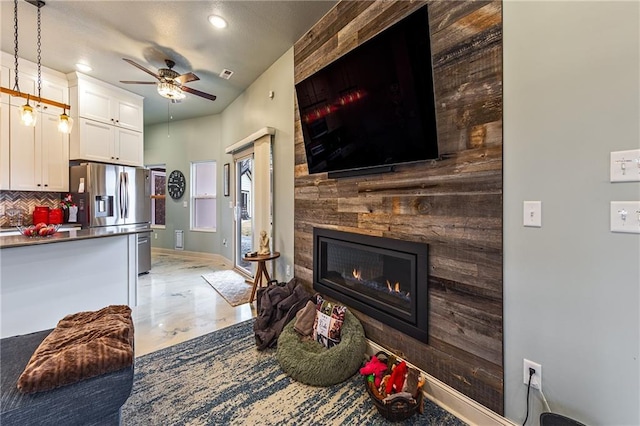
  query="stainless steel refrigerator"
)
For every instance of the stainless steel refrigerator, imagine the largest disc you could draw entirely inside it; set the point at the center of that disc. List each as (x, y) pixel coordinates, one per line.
(114, 195)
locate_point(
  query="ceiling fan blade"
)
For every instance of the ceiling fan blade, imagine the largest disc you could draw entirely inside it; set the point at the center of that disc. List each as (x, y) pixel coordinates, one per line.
(198, 93)
(135, 64)
(187, 77)
(137, 82)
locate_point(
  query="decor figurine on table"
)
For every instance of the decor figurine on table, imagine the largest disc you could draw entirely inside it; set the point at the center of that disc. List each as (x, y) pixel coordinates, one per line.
(264, 244)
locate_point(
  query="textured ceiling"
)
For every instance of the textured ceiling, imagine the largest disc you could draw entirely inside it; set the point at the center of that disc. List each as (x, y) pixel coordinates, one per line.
(101, 33)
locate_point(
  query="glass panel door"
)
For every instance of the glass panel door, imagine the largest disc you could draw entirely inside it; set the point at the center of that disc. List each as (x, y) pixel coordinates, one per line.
(244, 211)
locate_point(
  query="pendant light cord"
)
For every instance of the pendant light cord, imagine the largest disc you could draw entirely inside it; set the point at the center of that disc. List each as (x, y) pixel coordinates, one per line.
(16, 87)
(39, 52)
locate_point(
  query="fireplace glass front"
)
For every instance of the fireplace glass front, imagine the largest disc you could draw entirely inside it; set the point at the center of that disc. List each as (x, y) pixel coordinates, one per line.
(384, 278)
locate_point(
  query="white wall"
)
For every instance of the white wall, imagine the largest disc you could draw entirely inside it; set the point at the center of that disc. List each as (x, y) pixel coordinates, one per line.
(176, 146)
(206, 138)
(571, 288)
(250, 112)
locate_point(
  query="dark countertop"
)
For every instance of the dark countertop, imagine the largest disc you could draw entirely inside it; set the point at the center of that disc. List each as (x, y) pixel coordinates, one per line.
(11, 241)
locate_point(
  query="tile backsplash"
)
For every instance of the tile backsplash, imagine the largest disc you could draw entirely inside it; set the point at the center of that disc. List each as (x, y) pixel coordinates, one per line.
(26, 201)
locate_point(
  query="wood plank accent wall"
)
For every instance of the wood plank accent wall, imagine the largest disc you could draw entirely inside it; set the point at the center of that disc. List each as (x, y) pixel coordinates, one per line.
(453, 204)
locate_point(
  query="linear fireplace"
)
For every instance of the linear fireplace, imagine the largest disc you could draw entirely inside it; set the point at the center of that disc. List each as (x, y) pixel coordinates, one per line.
(383, 278)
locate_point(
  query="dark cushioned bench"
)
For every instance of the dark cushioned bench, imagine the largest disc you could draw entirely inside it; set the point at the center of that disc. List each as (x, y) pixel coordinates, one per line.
(94, 401)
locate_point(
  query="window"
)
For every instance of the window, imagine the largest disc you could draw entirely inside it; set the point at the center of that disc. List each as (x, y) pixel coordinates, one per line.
(203, 196)
(158, 188)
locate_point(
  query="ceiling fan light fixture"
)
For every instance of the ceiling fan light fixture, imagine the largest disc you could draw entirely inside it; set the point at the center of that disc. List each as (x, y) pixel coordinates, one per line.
(170, 91)
(217, 21)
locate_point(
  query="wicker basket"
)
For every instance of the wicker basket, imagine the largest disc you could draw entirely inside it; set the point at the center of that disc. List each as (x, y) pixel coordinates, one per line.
(397, 410)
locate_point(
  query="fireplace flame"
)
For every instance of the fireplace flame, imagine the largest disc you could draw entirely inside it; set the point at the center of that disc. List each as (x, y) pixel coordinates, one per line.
(395, 288)
(357, 274)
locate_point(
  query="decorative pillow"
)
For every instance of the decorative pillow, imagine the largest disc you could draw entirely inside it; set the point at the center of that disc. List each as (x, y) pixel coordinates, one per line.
(328, 322)
(305, 318)
(82, 345)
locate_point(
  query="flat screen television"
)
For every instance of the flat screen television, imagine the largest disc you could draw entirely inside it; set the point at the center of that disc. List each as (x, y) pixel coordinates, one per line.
(373, 107)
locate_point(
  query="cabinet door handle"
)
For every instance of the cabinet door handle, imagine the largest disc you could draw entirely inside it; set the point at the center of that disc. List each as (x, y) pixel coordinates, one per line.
(39, 185)
(46, 184)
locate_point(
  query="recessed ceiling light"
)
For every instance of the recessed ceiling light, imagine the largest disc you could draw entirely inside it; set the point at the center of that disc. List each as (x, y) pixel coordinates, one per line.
(83, 67)
(217, 21)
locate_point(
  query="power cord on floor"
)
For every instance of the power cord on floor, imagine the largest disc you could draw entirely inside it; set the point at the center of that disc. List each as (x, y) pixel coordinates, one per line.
(546, 404)
(531, 373)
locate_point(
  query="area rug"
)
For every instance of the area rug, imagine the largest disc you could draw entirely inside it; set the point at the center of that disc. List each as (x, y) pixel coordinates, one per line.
(231, 286)
(221, 379)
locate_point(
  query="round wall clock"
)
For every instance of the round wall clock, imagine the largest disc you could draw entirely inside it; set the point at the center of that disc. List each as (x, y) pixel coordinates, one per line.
(176, 184)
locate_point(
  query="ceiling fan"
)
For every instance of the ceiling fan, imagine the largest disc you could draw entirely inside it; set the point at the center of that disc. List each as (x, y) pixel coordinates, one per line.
(170, 83)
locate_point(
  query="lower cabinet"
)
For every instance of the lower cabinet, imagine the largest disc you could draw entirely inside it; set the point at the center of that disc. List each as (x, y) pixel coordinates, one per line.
(96, 141)
(39, 156)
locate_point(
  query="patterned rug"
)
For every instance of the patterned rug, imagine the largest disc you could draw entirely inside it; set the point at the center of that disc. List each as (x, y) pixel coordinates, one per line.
(230, 285)
(222, 379)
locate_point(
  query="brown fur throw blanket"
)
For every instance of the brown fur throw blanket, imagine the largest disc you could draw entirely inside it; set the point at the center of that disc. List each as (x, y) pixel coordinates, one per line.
(82, 345)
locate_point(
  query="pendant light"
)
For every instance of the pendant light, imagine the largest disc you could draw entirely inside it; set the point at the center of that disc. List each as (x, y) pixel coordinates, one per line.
(65, 123)
(28, 116)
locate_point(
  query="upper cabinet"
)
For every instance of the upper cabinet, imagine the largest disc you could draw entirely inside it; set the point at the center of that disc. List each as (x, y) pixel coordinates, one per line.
(109, 122)
(33, 158)
(39, 155)
(4, 130)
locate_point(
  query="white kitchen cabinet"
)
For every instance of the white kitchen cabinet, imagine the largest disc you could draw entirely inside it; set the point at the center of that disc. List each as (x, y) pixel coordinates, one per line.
(39, 156)
(109, 144)
(4, 130)
(98, 103)
(4, 146)
(33, 158)
(110, 122)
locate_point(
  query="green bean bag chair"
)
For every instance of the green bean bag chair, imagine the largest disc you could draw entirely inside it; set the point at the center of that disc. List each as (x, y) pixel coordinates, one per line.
(309, 362)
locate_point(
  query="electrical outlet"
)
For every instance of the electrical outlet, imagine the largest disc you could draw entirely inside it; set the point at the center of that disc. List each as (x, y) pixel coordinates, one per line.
(536, 379)
(155, 236)
(224, 242)
(288, 270)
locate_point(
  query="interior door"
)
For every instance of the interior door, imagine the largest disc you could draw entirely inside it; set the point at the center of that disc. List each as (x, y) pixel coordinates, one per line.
(244, 211)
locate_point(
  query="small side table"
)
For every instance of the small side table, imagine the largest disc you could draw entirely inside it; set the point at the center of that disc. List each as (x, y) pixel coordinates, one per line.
(262, 270)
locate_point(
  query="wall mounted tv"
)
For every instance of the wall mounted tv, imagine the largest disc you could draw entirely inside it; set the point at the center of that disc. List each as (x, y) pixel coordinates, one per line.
(373, 107)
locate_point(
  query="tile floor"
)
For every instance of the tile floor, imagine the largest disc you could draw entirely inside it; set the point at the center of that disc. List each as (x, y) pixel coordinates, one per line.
(176, 304)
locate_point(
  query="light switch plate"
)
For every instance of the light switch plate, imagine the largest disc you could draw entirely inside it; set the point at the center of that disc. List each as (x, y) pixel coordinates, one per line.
(625, 216)
(625, 166)
(532, 214)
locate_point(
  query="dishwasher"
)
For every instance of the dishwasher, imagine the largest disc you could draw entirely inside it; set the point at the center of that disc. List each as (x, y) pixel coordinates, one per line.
(144, 253)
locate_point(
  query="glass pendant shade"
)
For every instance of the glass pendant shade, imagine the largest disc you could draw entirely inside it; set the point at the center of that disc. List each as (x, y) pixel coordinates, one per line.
(28, 115)
(65, 123)
(170, 91)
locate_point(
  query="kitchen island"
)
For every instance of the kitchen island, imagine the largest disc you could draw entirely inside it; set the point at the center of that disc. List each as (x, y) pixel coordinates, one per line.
(43, 279)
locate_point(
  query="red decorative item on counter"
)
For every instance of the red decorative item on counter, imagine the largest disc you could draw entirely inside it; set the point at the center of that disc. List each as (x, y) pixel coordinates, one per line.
(40, 215)
(55, 216)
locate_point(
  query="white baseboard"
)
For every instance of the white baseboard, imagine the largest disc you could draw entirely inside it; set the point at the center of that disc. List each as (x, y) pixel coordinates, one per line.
(455, 402)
